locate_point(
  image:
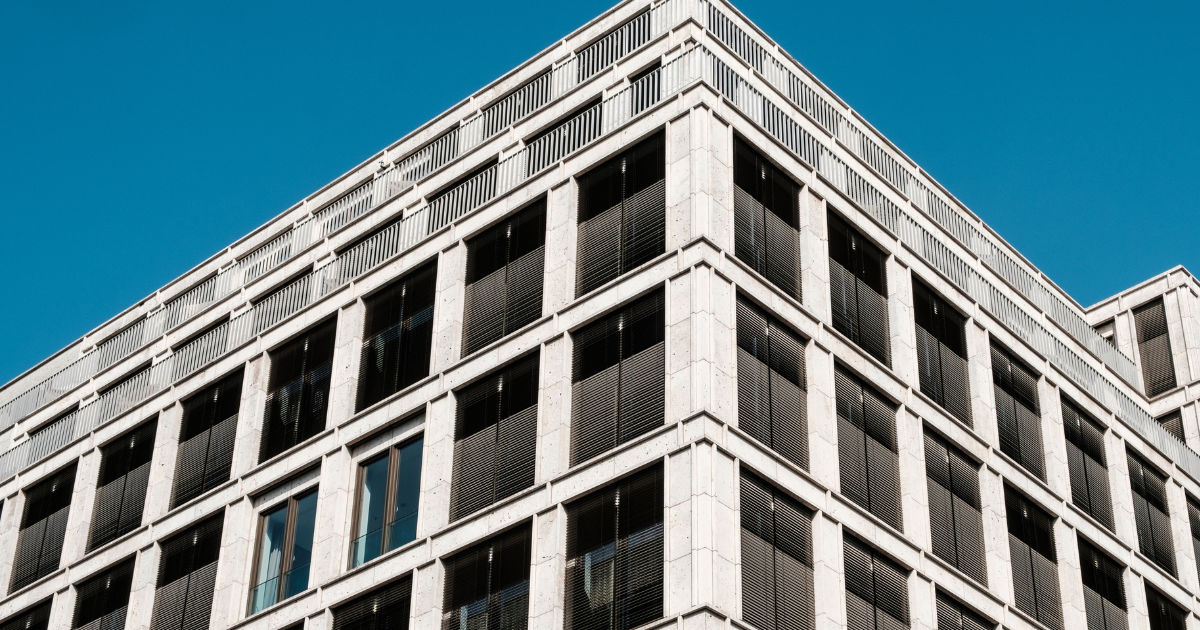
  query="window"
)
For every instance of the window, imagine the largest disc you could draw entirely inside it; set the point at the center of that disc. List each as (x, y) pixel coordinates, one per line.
(389, 489)
(36, 618)
(397, 336)
(615, 555)
(43, 528)
(858, 289)
(942, 352)
(1017, 413)
(645, 88)
(1034, 560)
(121, 487)
(1151, 513)
(505, 271)
(1103, 589)
(206, 439)
(1173, 423)
(876, 588)
(298, 393)
(383, 609)
(1108, 331)
(101, 601)
(285, 544)
(187, 578)
(619, 378)
(1154, 346)
(487, 586)
(1194, 521)
(772, 401)
(777, 564)
(867, 455)
(955, 512)
(766, 219)
(622, 214)
(952, 615)
(1087, 464)
(495, 438)
(1164, 613)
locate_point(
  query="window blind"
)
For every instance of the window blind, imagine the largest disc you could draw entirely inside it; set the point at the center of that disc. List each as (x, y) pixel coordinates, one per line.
(1173, 423)
(487, 586)
(102, 601)
(382, 609)
(766, 218)
(1087, 464)
(867, 455)
(1154, 347)
(622, 214)
(397, 336)
(772, 396)
(121, 487)
(505, 272)
(955, 516)
(876, 588)
(1194, 520)
(36, 618)
(1034, 560)
(942, 352)
(298, 390)
(858, 289)
(206, 439)
(43, 528)
(1018, 417)
(777, 565)
(619, 378)
(952, 615)
(1152, 513)
(495, 438)
(614, 575)
(1164, 613)
(187, 577)
(1103, 589)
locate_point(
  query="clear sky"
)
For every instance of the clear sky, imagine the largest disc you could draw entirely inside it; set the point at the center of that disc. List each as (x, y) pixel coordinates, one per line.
(138, 138)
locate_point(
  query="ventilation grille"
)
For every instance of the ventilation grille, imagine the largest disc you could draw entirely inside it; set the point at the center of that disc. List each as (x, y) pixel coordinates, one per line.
(1173, 423)
(955, 517)
(772, 397)
(868, 459)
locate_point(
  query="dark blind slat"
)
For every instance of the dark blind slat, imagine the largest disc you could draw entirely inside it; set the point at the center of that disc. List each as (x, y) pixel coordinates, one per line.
(1151, 513)
(43, 528)
(187, 575)
(206, 439)
(36, 618)
(1194, 521)
(772, 401)
(397, 336)
(1173, 423)
(1103, 589)
(766, 219)
(777, 572)
(121, 488)
(941, 352)
(505, 268)
(876, 588)
(952, 615)
(298, 390)
(386, 608)
(487, 586)
(868, 460)
(956, 519)
(1154, 347)
(1032, 548)
(1164, 613)
(1017, 413)
(858, 289)
(1086, 464)
(100, 602)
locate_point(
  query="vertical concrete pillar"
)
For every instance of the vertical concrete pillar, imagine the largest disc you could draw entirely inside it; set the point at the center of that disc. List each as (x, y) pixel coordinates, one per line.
(1135, 601)
(814, 254)
(1179, 354)
(979, 373)
(562, 241)
(822, 416)
(448, 307)
(437, 465)
(331, 534)
(680, 368)
(10, 531)
(1181, 535)
(1054, 441)
(722, 304)
(914, 488)
(922, 602)
(347, 354)
(995, 534)
(724, 516)
(63, 609)
(426, 607)
(255, 382)
(829, 576)
(1124, 522)
(1070, 576)
(1189, 317)
(83, 497)
(233, 566)
(546, 580)
(141, 590)
(681, 165)
(901, 323)
(554, 410)
(719, 185)
(679, 590)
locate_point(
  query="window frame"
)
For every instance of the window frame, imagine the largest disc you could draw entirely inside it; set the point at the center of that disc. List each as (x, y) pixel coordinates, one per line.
(370, 456)
(291, 503)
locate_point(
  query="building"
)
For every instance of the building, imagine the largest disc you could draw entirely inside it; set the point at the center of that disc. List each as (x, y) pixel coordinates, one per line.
(652, 332)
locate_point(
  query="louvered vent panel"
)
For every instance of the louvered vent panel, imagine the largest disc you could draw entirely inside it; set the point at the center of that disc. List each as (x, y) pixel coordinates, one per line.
(397, 336)
(777, 573)
(952, 615)
(876, 588)
(187, 578)
(1017, 412)
(1086, 464)
(101, 601)
(206, 437)
(43, 528)
(121, 487)
(1154, 347)
(1151, 513)
(869, 462)
(384, 609)
(487, 586)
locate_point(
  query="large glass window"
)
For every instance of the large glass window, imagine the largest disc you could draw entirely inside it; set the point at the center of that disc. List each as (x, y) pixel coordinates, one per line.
(772, 396)
(121, 487)
(285, 547)
(206, 439)
(777, 564)
(867, 449)
(858, 289)
(1154, 347)
(487, 586)
(397, 336)
(1103, 589)
(1034, 559)
(942, 352)
(298, 392)
(1087, 464)
(955, 510)
(505, 273)
(876, 588)
(766, 218)
(1018, 417)
(187, 577)
(43, 528)
(1152, 513)
(389, 489)
(102, 601)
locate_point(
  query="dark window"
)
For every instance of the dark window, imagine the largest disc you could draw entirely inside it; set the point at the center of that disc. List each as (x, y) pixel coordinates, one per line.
(206, 439)
(766, 219)
(1164, 613)
(615, 555)
(619, 378)
(1018, 417)
(121, 487)
(285, 544)
(1087, 464)
(1194, 521)
(952, 615)
(43, 528)
(383, 609)
(298, 393)
(1173, 423)
(942, 352)
(1154, 346)
(867, 455)
(876, 588)
(389, 491)
(622, 214)
(772, 397)
(187, 578)
(487, 586)
(858, 289)
(1151, 512)
(1034, 560)
(397, 336)
(955, 516)
(101, 601)
(495, 438)
(777, 565)
(36, 618)
(505, 271)
(1103, 589)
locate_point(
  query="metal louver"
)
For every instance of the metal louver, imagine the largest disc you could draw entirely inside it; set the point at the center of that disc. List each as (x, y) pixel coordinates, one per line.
(43, 528)
(36, 618)
(487, 586)
(858, 289)
(397, 336)
(766, 219)
(1151, 512)
(1173, 423)
(495, 438)
(1103, 589)
(298, 390)
(942, 352)
(383, 609)
(777, 566)
(772, 396)
(952, 615)
(876, 588)
(955, 516)
(867, 456)
(1087, 464)
(1154, 347)
(1034, 559)
(102, 601)
(121, 487)
(206, 439)
(1164, 613)
(505, 273)
(1018, 418)
(187, 577)
(614, 574)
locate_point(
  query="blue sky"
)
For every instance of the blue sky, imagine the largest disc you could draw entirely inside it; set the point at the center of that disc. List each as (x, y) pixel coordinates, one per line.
(139, 138)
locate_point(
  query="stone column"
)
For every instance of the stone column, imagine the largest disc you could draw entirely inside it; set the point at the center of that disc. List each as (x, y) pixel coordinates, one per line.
(914, 485)
(1179, 348)
(160, 484)
(922, 602)
(682, 371)
(1054, 441)
(1124, 522)
(331, 534)
(995, 534)
(448, 307)
(829, 577)
(680, 540)
(347, 354)
(1070, 576)
(814, 254)
(554, 410)
(983, 394)
(234, 565)
(251, 414)
(437, 464)
(901, 324)
(722, 305)
(546, 578)
(562, 241)
(83, 498)
(822, 416)
(427, 592)
(141, 590)
(1181, 535)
